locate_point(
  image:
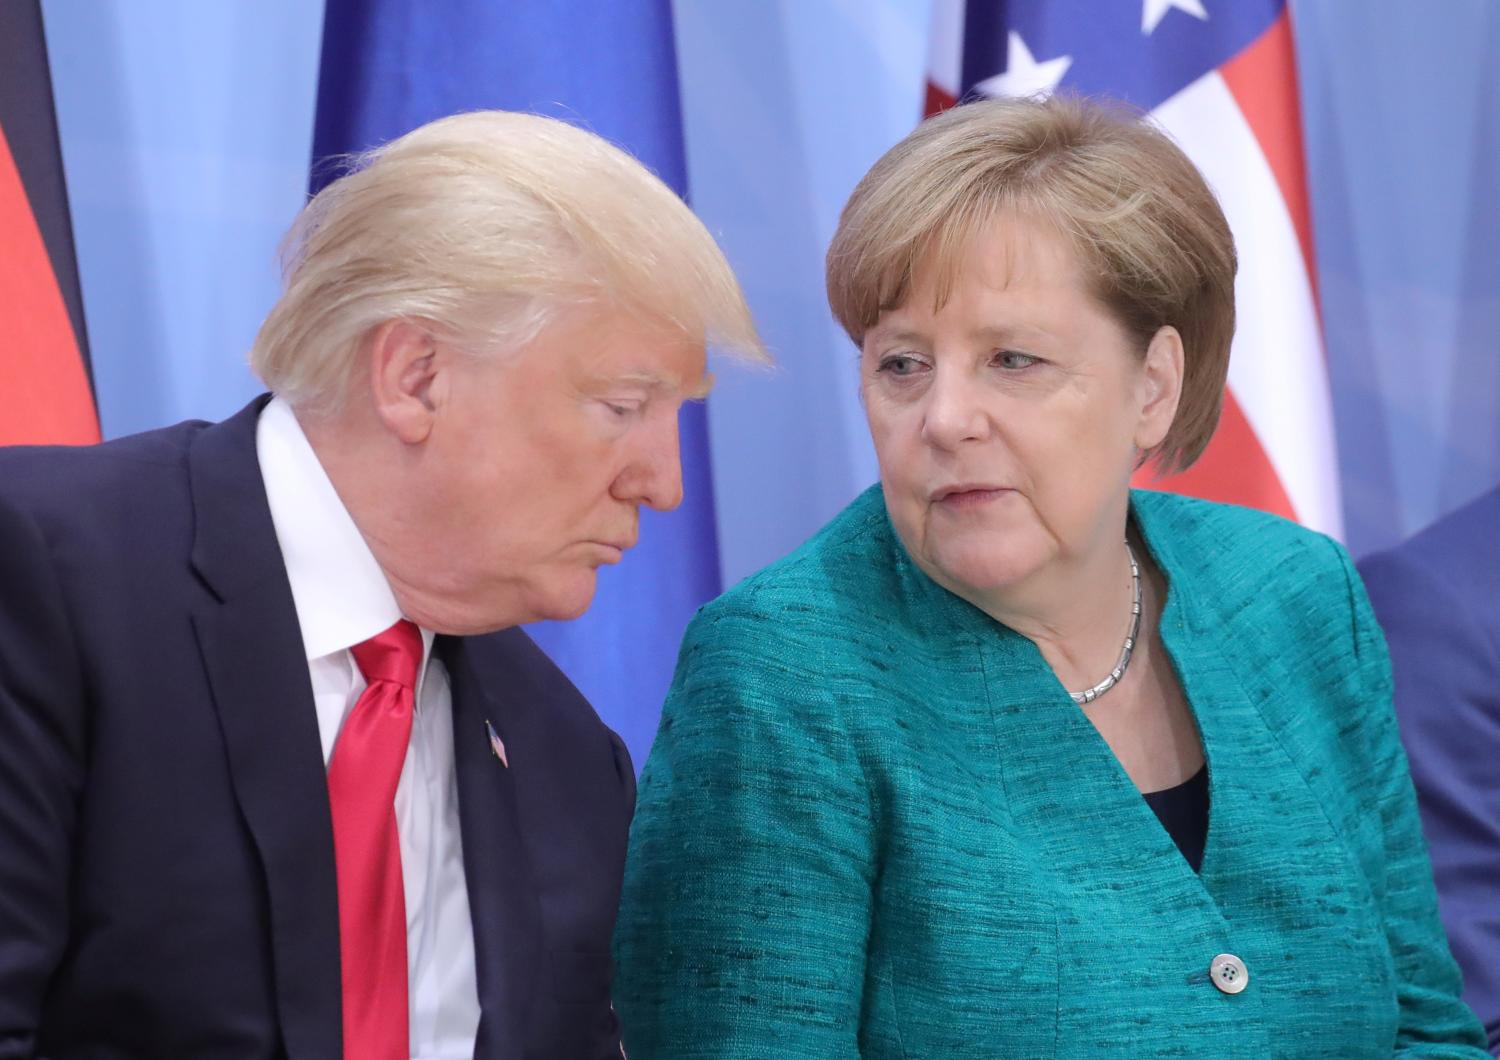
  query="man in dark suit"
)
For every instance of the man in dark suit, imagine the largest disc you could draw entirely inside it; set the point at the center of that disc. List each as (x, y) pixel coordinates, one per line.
(1438, 599)
(278, 777)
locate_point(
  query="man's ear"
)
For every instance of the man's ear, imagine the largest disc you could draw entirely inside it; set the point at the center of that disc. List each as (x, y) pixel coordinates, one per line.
(401, 355)
(1161, 387)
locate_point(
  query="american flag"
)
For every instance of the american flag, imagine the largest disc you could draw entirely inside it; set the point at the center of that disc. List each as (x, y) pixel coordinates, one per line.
(497, 745)
(1220, 77)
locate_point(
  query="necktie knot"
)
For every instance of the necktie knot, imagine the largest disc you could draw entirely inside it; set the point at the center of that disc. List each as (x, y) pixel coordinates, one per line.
(394, 655)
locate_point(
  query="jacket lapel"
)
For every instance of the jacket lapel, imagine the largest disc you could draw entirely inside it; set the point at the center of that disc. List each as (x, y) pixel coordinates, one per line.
(503, 899)
(252, 650)
(1056, 778)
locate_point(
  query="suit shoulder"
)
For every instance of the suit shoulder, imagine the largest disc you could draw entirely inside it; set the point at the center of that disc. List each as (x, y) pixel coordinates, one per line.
(53, 480)
(1453, 556)
(535, 688)
(528, 666)
(1434, 595)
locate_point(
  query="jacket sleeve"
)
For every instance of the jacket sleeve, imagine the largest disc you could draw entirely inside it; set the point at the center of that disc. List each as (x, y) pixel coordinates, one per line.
(625, 770)
(1433, 1021)
(42, 760)
(747, 898)
(1447, 695)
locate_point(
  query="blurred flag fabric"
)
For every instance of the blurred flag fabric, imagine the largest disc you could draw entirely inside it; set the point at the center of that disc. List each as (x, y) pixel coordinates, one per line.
(391, 65)
(1220, 77)
(45, 392)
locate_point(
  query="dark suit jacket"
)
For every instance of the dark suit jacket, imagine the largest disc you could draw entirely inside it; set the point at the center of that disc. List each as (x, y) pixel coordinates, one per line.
(1438, 598)
(167, 881)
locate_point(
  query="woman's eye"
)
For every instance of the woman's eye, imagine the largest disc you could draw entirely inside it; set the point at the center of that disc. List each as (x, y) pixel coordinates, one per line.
(1014, 361)
(899, 364)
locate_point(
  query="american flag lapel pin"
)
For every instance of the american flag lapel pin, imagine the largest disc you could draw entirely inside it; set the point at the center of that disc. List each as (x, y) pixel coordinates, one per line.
(497, 745)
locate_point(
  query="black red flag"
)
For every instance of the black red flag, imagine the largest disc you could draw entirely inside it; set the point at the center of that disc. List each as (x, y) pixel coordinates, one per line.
(45, 391)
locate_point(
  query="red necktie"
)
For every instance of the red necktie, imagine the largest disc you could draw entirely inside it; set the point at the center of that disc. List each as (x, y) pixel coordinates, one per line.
(362, 778)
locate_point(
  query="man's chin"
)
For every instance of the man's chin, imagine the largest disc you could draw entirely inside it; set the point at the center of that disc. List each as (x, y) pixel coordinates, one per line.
(567, 602)
(560, 601)
(567, 613)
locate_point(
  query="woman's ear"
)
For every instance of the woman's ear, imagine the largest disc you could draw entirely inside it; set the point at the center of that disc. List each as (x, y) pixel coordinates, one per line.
(401, 357)
(1161, 387)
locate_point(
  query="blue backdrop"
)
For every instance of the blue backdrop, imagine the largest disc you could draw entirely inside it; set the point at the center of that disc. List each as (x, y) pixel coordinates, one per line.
(187, 130)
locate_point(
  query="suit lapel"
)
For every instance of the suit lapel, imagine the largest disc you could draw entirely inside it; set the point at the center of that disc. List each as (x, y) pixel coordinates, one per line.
(503, 898)
(252, 651)
(1052, 773)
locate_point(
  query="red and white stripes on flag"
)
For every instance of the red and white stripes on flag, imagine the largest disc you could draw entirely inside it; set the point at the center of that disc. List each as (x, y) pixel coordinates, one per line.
(1239, 121)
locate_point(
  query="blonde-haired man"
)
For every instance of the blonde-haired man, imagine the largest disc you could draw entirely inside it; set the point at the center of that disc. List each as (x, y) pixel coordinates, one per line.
(277, 774)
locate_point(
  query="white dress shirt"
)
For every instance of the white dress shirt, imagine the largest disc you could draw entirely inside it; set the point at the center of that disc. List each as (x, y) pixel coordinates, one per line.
(343, 598)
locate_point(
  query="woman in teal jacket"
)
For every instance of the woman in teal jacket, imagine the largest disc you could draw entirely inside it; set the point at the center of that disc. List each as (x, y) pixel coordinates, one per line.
(1010, 760)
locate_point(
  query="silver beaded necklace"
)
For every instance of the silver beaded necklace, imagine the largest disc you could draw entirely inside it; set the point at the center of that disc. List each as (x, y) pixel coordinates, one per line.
(1111, 679)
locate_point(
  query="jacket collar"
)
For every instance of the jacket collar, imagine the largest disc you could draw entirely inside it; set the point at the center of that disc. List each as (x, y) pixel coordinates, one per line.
(507, 913)
(1151, 514)
(252, 650)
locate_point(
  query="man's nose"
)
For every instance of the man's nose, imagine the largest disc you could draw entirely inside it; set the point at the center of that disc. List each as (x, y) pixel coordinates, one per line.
(654, 475)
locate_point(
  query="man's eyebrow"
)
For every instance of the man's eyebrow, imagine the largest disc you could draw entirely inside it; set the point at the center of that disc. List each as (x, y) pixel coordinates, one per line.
(656, 381)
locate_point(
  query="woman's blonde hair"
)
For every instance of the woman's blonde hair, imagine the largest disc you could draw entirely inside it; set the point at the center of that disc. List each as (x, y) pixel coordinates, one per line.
(1145, 226)
(484, 226)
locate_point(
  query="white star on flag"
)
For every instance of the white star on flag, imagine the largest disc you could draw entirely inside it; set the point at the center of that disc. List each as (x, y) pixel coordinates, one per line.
(1153, 11)
(1024, 76)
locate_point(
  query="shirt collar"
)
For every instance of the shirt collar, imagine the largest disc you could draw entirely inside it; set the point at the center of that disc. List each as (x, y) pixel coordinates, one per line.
(340, 593)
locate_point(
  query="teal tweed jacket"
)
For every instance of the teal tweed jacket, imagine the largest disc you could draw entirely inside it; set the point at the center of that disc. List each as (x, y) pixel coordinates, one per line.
(873, 824)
